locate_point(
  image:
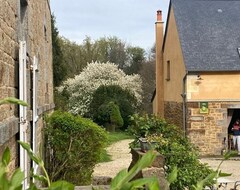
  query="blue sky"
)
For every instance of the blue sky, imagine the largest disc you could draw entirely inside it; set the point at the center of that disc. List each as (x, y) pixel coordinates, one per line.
(130, 20)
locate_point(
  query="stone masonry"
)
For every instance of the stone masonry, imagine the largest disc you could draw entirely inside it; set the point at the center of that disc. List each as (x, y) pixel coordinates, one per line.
(30, 21)
(173, 113)
(207, 131)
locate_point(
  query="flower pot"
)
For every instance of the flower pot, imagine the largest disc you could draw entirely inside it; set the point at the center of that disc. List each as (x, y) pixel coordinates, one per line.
(145, 145)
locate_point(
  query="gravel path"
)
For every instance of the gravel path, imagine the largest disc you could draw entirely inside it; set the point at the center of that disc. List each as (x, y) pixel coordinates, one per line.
(121, 158)
(231, 166)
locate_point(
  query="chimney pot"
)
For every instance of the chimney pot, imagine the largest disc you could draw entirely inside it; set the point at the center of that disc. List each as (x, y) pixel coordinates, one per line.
(159, 15)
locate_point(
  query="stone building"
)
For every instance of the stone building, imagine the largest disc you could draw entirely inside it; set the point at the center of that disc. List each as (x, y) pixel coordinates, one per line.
(198, 70)
(25, 73)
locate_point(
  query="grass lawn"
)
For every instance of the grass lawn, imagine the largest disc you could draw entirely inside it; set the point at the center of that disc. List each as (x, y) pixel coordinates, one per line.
(112, 138)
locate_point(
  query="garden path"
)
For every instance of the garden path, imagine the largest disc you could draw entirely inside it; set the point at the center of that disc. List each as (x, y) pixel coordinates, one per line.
(121, 158)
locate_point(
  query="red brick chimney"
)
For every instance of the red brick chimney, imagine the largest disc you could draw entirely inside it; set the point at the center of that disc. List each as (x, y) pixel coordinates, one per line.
(159, 15)
(159, 97)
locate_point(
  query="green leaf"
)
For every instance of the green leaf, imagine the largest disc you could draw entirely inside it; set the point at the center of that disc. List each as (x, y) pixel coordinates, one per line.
(6, 156)
(152, 184)
(201, 184)
(4, 183)
(172, 177)
(40, 178)
(17, 178)
(61, 185)
(27, 147)
(32, 187)
(229, 154)
(117, 179)
(221, 174)
(123, 177)
(2, 170)
(12, 100)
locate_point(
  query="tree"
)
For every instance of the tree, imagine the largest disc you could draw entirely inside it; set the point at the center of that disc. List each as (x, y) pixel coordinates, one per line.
(82, 86)
(124, 99)
(108, 115)
(59, 69)
(135, 59)
(147, 73)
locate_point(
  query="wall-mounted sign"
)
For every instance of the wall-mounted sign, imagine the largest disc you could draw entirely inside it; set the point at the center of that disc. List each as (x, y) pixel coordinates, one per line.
(203, 107)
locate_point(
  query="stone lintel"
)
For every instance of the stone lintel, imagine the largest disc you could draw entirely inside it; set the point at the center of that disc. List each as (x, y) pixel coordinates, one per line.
(45, 108)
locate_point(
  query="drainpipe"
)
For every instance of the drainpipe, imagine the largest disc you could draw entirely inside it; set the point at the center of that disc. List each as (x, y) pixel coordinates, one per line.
(184, 97)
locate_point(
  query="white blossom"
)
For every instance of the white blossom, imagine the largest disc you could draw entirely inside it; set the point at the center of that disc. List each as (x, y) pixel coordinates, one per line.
(95, 74)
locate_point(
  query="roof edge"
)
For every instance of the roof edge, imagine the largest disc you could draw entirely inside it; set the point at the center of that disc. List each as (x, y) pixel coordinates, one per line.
(166, 28)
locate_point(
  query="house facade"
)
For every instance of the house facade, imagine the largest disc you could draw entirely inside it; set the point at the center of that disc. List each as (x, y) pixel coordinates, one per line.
(25, 73)
(198, 70)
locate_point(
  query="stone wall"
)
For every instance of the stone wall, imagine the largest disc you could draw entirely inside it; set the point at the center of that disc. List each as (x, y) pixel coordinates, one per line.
(173, 113)
(30, 21)
(208, 130)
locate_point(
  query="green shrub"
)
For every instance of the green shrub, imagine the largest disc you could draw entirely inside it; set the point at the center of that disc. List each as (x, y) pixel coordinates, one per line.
(178, 150)
(109, 116)
(74, 145)
(115, 115)
(123, 98)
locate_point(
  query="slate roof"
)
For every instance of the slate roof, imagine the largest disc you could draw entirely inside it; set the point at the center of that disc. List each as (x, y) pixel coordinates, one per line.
(209, 32)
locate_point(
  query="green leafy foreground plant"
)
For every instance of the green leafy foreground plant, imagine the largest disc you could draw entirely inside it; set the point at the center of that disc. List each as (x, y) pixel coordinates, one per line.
(15, 181)
(12, 100)
(211, 179)
(123, 180)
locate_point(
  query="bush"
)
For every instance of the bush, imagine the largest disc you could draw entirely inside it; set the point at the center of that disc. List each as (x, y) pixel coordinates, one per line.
(75, 145)
(177, 150)
(109, 116)
(123, 98)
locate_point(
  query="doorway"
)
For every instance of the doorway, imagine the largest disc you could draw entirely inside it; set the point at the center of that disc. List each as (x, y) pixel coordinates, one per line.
(233, 115)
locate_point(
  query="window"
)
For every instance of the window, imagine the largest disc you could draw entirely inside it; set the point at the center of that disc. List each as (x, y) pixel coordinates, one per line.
(23, 8)
(168, 70)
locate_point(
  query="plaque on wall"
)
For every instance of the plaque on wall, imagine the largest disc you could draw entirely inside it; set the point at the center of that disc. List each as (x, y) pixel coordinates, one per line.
(203, 107)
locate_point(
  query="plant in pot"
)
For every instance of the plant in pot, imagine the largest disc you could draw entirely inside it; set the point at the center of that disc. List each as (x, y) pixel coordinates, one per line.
(146, 131)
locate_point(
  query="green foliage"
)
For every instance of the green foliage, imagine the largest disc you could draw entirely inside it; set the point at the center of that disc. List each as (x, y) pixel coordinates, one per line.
(110, 116)
(75, 144)
(123, 179)
(115, 115)
(103, 95)
(107, 49)
(61, 100)
(142, 126)
(14, 182)
(12, 100)
(136, 59)
(59, 69)
(177, 150)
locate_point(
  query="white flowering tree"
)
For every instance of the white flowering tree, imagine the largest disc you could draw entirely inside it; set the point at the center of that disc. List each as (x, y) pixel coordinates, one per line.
(82, 86)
